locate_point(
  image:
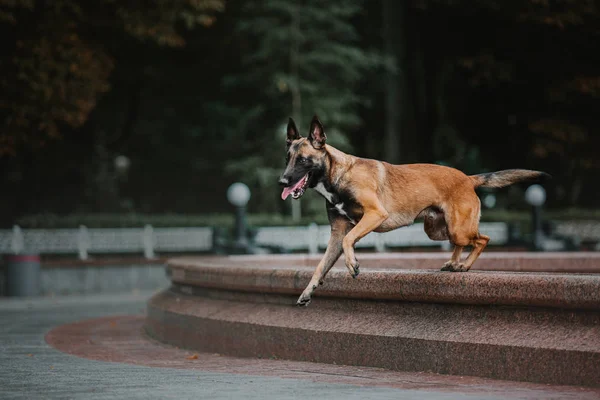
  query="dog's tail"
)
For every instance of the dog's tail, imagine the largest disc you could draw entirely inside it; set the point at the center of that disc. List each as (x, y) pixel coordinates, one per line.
(508, 177)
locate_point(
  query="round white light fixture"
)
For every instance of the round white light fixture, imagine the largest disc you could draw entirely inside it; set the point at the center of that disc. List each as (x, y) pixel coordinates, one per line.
(535, 195)
(489, 200)
(238, 194)
(122, 163)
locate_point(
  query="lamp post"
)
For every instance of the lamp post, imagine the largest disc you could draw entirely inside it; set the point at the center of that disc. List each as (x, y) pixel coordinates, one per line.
(535, 195)
(122, 164)
(238, 195)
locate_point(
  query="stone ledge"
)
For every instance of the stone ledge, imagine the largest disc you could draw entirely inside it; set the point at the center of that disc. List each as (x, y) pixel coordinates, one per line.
(536, 327)
(386, 278)
(518, 261)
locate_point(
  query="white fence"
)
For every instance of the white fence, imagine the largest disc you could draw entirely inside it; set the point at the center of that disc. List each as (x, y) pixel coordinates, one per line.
(84, 241)
(583, 230)
(315, 237)
(149, 240)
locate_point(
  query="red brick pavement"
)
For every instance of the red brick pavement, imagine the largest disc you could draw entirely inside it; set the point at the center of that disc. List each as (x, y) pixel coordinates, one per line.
(120, 339)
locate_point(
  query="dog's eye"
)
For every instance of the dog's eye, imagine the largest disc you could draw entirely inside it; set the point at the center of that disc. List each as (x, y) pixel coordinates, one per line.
(302, 160)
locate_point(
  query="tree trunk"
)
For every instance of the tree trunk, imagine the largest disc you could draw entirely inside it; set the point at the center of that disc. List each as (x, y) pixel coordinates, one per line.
(400, 130)
(424, 112)
(104, 190)
(392, 86)
(296, 94)
(130, 119)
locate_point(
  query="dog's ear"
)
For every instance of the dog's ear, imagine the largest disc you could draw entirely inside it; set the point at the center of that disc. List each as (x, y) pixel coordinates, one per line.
(292, 132)
(316, 135)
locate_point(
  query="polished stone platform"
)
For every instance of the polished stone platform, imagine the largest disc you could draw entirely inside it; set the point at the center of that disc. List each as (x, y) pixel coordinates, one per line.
(399, 314)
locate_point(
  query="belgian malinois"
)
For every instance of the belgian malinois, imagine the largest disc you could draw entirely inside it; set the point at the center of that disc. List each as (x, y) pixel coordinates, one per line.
(364, 195)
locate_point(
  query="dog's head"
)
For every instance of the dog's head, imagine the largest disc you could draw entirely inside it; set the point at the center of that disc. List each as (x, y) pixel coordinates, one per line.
(305, 159)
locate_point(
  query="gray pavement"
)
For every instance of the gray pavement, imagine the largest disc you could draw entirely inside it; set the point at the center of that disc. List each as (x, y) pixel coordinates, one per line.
(30, 369)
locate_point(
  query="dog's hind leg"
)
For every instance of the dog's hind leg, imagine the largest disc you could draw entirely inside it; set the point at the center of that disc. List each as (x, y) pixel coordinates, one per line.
(435, 226)
(463, 222)
(340, 226)
(478, 246)
(454, 260)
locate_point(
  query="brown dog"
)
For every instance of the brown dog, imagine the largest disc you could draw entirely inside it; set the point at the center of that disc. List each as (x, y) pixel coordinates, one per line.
(368, 195)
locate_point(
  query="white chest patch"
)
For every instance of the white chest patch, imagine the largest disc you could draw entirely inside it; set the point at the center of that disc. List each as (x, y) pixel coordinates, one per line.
(340, 209)
(320, 188)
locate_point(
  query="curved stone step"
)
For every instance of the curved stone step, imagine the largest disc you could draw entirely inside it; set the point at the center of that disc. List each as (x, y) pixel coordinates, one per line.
(538, 327)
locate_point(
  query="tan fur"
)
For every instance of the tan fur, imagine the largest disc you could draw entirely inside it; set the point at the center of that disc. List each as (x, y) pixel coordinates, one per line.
(387, 197)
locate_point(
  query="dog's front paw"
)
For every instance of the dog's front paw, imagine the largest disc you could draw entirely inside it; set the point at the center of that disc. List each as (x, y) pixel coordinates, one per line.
(356, 270)
(353, 267)
(448, 266)
(461, 268)
(303, 300)
(454, 267)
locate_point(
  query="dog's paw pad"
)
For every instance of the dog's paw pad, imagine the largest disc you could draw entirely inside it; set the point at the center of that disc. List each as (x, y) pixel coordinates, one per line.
(356, 271)
(461, 268)
(303, 301)
(449, 266)
(454, 267)
(353, 268)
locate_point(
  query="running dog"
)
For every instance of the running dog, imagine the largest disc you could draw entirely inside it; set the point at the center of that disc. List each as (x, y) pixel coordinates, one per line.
(366, 196)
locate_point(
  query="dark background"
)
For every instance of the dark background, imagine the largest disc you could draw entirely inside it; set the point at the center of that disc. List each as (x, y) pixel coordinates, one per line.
(195, 95)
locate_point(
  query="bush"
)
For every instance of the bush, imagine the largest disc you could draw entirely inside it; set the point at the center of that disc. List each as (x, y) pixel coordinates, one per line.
(53, 221)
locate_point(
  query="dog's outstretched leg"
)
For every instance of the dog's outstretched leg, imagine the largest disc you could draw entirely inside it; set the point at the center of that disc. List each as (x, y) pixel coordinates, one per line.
(370, 221)
(339, 228)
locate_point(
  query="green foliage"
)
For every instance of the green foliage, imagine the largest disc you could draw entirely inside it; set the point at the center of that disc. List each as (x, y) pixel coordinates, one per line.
(56, 63)
(113, 78)
(300, 58)
(298, 47)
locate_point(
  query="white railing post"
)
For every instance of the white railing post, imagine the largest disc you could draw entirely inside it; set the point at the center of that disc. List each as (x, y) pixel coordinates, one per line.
(17, 242)
(83, 242)
(148, 242)
(379, 242)
(313, 238)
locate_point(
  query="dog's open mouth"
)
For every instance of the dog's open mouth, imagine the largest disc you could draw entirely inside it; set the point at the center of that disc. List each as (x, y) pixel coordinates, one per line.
(297, 189)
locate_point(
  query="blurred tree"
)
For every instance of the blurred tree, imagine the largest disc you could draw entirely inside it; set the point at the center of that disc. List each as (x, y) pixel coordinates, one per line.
(56, 62)
(479, 85)
(301, 59)
(530, 66)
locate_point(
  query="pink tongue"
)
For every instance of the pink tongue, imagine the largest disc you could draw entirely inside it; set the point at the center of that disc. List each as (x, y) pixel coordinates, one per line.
(288, 190)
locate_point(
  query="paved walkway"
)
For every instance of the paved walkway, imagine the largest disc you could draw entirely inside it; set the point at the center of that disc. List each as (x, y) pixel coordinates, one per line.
(121, 364)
